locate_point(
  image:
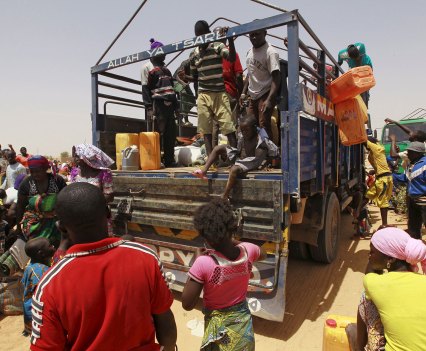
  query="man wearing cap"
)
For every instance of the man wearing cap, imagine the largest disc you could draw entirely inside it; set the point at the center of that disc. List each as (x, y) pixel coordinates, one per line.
(381, 191)
(416, 179)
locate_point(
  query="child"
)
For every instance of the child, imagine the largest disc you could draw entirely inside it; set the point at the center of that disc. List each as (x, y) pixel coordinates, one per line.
(252, 150)
(223, 273)
(40, 251)
(161, 102)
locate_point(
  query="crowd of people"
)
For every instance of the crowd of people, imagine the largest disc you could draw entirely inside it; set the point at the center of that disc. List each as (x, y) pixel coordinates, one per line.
(58, 233)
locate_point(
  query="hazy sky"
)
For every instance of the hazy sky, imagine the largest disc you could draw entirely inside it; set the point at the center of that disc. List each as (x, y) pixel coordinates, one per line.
(48, 47)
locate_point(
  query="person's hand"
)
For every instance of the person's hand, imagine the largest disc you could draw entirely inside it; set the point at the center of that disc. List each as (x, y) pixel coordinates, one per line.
(388, 120)
(267, 106)
(10, 146)
(286, 41)
(222, 31)
(181, 75)
(149, 112)
(392, 137)
(242, 100)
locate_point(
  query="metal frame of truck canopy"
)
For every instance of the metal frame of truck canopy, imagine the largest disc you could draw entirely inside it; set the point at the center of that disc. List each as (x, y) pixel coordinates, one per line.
(315, 180)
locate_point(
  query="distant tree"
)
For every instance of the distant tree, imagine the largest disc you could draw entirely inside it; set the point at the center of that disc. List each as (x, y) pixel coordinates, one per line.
(65, 154)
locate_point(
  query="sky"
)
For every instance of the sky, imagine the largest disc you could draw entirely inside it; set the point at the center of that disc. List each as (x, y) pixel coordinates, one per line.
(49, 46)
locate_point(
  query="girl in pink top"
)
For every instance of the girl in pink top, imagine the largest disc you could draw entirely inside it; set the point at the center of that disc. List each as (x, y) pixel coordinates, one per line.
(223, 273)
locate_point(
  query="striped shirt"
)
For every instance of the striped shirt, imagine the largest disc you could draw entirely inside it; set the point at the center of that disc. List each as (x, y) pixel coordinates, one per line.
(159, 86)
(207, 65)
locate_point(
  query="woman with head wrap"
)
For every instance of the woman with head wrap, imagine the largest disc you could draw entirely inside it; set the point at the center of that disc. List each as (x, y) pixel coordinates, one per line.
(399, 294)
(35, 211)
(93, 167)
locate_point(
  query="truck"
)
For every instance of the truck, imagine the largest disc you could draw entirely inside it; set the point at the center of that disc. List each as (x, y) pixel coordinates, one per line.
(415, 120)
(295, 209)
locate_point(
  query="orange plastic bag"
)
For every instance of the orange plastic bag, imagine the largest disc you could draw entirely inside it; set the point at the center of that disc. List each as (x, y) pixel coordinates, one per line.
(354, 82)
(350, 117)
(149, 148)
(123, 141)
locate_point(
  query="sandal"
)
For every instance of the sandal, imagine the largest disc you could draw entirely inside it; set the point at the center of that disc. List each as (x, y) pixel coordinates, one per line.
(199, 174)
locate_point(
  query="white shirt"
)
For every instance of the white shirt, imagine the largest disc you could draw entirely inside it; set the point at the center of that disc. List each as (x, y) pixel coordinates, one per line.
(148, 66)
(12, 172)
(261, 62)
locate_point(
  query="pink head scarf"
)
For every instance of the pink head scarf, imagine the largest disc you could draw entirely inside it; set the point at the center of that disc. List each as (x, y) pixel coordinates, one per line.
(394, 242)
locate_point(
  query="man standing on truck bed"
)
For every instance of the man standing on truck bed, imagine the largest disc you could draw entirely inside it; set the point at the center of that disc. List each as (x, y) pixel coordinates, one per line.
(263, 80)
(381, 191)
(161, 102)
(355, 56)
(212, 102)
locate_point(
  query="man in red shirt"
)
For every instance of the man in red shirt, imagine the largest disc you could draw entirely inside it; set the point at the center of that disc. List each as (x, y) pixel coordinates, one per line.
(106, 293)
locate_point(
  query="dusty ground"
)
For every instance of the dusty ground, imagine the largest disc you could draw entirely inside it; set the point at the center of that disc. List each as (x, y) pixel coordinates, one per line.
(313, 292)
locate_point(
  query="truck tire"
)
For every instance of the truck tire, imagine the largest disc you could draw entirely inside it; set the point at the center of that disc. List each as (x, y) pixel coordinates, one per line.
(299, 250)
(328, 237)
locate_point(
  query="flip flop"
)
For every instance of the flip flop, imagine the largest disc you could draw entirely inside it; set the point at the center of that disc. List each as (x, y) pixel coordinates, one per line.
(199, 174)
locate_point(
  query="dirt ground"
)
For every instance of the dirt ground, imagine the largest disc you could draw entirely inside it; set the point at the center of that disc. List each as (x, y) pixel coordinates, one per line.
(313, 292)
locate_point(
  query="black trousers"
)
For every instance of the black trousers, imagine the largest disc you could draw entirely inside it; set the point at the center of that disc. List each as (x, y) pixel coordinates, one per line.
(164, 123)
(416, 218)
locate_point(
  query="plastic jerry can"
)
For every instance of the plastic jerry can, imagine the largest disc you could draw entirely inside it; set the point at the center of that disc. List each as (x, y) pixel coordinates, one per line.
(130, 158)
(334, 337)
(350, 116)
(354, 82)
(149, 149)
(122, 141)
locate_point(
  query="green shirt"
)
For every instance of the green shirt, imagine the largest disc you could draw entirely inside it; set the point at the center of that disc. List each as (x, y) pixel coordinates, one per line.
(207, 65)
(365, 59)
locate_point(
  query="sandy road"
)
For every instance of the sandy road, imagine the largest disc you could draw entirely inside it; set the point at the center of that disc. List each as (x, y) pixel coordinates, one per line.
(313, 292)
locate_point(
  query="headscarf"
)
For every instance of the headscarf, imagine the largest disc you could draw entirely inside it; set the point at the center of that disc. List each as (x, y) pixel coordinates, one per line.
(155, 44)
(37, 161)
(396, 243)
(92, 156)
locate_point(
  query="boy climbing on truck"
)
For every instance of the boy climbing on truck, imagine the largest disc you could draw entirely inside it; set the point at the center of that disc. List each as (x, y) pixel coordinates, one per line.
(250, 154)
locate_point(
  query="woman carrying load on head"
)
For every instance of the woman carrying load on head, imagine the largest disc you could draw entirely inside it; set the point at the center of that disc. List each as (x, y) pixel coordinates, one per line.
(35, 212)
(93, 167)
(399, 293)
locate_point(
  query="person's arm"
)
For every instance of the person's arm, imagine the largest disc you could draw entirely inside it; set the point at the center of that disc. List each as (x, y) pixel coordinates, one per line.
(361, 333)
(11, 148)
(393, 149)
(232, 53)
(191, 294)
(21, 203)
(270, 101)
(404, 128)
(244, 91)
(47, 332)
(165, 330)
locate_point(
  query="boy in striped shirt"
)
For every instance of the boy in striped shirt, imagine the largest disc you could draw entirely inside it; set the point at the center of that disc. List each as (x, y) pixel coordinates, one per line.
(212, 102)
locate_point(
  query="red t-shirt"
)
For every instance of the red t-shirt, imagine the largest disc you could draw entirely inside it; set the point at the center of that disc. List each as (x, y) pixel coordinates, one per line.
(230, 70)
(23, 160)
(100, 296)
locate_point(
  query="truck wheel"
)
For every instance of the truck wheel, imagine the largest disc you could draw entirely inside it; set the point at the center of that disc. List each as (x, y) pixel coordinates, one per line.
(328, 237)
(299, 250)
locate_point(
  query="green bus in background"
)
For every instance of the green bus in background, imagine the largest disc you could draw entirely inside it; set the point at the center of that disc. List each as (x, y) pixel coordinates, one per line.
(415, 120)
